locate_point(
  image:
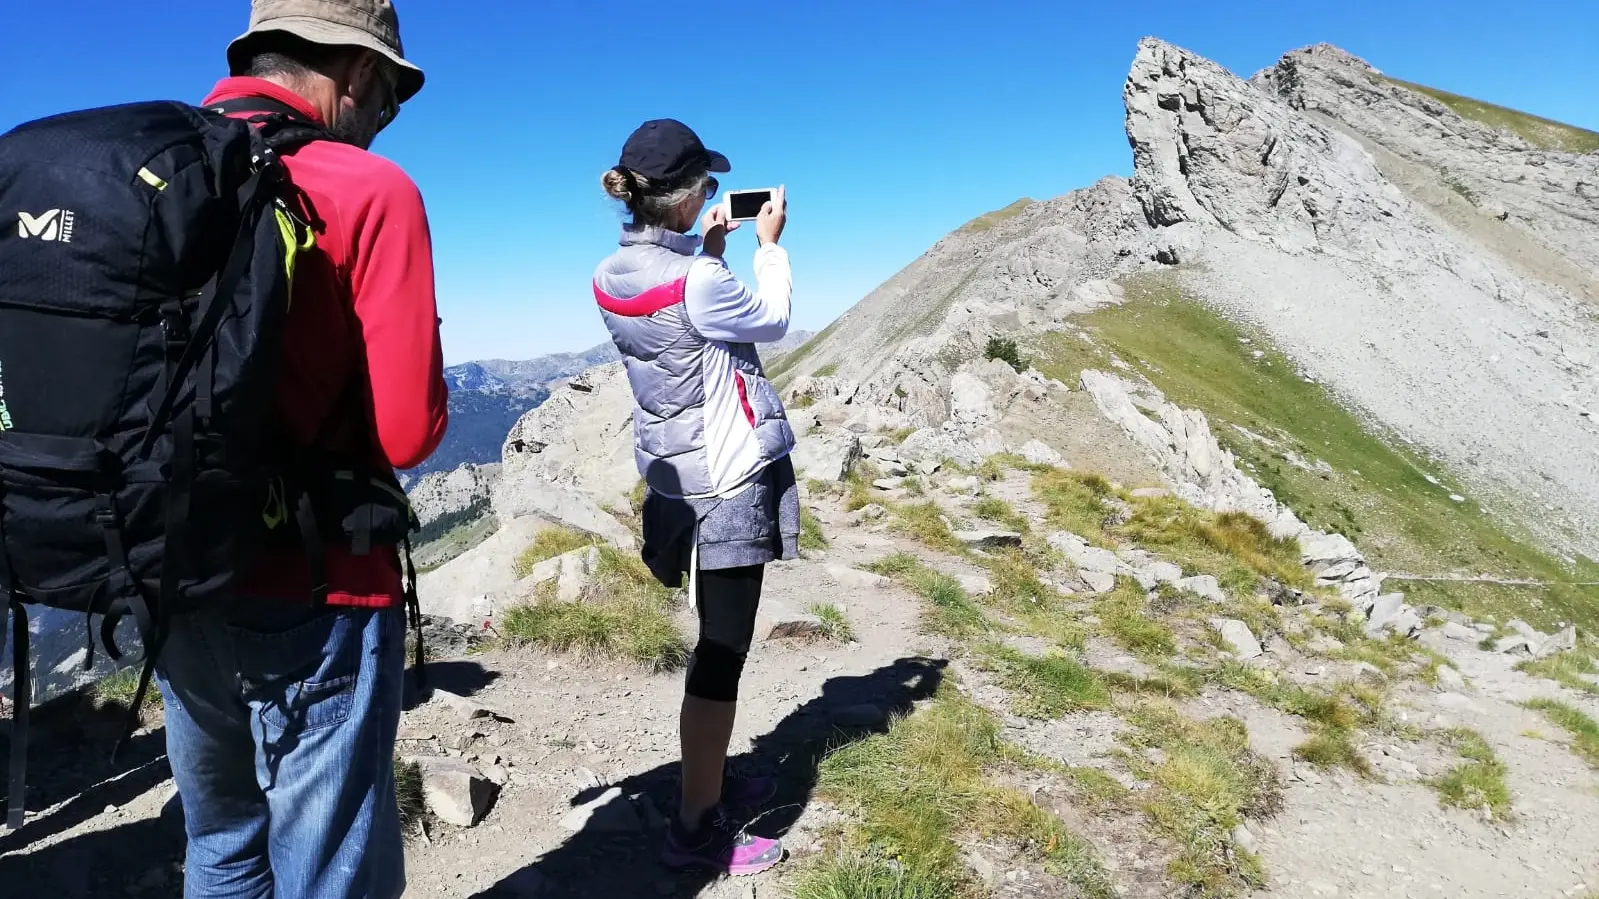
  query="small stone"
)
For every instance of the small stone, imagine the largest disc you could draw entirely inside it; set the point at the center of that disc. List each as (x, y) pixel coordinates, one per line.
(872, 511)
(464, 708)
(1245, 840)
(1098, 581)
(782, 623)
(1238, 636)
(497, 774)
(865, 714)
(575, 569)
(1450, 679)
(888, 483)
(1163, 572)
(1516, 646)
(609, 813)
(989, 539)
(1204, 586)
(454, 790)
(1455, 631)
(846, 576)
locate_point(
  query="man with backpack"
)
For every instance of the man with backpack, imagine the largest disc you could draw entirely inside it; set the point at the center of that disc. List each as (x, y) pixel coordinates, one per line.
(242, 477)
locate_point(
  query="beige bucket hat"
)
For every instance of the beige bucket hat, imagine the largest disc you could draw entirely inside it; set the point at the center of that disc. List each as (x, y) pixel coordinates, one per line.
(372, 24)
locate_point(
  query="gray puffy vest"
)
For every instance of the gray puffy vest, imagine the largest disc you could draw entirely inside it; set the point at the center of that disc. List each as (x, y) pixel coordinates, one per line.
(640, 291)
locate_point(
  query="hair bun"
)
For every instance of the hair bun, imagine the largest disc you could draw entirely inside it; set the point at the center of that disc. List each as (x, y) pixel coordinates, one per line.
(618, 185)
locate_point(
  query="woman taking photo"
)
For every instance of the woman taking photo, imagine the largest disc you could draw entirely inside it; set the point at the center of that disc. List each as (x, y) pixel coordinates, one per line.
(712, 441)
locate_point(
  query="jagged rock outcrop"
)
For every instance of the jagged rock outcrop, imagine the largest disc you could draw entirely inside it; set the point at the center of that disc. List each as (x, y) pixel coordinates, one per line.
(451, 492)
(1428, 324)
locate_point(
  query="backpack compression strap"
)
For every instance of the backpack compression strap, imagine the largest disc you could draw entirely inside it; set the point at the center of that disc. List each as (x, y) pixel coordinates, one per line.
(21, 699)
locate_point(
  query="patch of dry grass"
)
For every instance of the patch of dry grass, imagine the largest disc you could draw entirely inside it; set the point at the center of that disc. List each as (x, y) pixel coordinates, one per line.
(624, 614)
(549, 543)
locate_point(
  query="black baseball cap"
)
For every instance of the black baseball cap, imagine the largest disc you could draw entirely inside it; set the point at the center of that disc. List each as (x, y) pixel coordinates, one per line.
(667, 151)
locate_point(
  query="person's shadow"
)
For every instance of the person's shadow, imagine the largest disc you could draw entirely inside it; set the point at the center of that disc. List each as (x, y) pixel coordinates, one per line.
(599, 865)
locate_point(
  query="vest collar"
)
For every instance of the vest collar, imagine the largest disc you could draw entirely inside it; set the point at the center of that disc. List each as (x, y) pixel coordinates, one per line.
(682, 244)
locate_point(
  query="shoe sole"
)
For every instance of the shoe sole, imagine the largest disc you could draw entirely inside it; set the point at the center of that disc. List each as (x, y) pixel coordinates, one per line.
(685, 862)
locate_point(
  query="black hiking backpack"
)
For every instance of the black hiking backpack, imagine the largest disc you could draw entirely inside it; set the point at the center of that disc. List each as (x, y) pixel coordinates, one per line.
(146, 258)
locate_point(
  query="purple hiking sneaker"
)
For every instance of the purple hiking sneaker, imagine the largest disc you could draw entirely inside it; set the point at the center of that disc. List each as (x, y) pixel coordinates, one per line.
(720, 845)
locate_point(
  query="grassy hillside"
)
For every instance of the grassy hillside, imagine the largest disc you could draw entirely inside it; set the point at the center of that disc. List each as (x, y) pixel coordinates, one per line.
(989, 219)
(1541, 132)
(1336, 472)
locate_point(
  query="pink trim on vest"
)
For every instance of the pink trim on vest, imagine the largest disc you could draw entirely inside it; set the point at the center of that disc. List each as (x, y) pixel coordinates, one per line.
(744, 398)
(647, 303)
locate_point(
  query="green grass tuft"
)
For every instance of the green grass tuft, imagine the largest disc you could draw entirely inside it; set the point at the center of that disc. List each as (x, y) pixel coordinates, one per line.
(920, 789)
(1477, 783)
(952, 613)
(858, 875)
(1124, 619)
(1583, 729)
(1205, 783)
(1234, 546)
(811, 535)
(624, 614)
(925, 522)
(1566, 669)
(408, 792)
(834, 625)
(997, 510)
(549, 543)
(118, 691)
(1329, 748)
(1076, 502)
(1047, 687)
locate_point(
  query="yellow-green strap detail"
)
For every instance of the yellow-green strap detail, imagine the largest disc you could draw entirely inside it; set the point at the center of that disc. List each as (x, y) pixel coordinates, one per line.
(152, 179)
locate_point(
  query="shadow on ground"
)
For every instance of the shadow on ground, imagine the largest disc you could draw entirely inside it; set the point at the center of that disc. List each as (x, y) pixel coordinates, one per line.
(593, 865)
(70, 766)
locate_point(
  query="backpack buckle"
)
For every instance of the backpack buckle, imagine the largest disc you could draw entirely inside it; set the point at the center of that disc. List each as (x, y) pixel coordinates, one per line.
(174, 327)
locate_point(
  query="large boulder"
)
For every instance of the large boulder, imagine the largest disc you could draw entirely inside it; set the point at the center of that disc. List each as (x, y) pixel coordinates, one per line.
(826, 454)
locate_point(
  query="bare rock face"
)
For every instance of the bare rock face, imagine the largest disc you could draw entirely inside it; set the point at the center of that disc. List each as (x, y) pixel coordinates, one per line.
(581, 439)
(1375, 235)
(446, 492)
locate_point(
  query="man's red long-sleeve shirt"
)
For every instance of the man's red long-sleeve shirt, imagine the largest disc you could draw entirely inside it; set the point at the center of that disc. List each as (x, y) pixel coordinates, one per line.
(363, 308)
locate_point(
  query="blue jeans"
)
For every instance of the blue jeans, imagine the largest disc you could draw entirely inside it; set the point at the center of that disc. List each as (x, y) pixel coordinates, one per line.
(280, 724)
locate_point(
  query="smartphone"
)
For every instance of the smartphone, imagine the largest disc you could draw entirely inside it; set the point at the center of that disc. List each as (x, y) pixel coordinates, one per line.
(745, 205)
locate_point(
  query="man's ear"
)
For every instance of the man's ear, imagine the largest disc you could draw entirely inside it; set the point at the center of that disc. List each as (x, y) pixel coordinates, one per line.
(362, 74)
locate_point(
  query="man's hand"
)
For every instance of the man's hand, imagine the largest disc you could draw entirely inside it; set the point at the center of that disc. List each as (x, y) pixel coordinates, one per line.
(714, 226)
(774, 215)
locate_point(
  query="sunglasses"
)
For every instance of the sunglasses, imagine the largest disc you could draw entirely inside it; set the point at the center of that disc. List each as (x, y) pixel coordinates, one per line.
(711, 186)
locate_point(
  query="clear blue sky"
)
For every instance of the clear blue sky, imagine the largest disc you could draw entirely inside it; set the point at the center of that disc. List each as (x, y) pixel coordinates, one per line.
(892, 123)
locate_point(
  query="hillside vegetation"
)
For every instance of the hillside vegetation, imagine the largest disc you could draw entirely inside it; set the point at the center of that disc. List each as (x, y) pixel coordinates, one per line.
(1535, 130)
(1337, 472)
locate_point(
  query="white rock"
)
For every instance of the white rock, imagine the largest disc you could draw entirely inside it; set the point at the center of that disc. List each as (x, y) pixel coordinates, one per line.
(463, 708)
(1041, 453)
(826, 455)
(1328, 548)
(1245, 840)
(1203, 585)
(964, 484)
(610, 812)
(1450, 679)
(1456, 631)
(888, 483)
(1098, 581)
(1562, 642)
(1084, 557)
(1238, 636)
(1164, 572)
(454, 790)
(975, 584)
(971, 403)
(856, 578)
(576, 567)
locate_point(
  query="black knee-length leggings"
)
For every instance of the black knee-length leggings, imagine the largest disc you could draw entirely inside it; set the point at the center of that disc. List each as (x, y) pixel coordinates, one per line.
(728, 600)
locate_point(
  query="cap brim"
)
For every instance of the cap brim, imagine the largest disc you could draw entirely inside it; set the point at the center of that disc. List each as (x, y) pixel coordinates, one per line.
(318, 31)
(719, 162)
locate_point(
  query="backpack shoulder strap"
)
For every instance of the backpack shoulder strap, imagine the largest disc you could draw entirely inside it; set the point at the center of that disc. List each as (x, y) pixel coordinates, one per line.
(282, 125)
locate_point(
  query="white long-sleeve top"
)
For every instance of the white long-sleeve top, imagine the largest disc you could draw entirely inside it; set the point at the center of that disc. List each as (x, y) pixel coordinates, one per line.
(725, 310)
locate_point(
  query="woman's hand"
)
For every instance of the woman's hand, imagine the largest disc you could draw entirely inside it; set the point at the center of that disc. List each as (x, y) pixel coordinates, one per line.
(774, 215)
(714, 226)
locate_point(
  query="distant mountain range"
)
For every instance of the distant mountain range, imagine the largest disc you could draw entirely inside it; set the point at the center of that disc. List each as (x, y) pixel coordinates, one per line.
(487, 397)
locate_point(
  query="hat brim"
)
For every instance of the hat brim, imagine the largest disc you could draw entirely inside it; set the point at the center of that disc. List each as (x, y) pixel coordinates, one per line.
(719, 163)
(319, 31)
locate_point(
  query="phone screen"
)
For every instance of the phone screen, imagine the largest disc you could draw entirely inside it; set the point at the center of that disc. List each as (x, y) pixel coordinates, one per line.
(747, 205)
